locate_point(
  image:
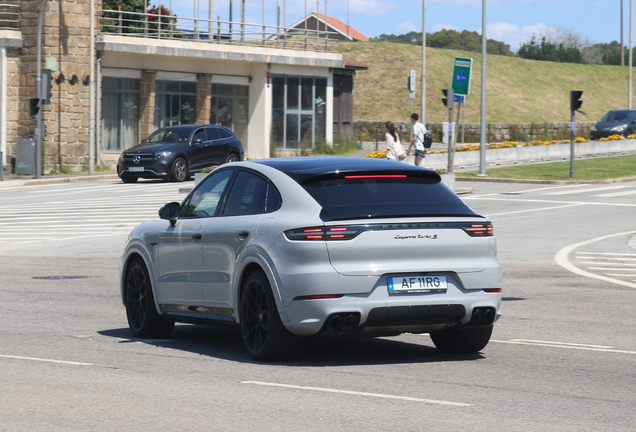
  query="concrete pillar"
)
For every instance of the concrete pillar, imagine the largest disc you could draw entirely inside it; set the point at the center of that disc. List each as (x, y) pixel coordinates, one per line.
(147, 103)
(204, 98)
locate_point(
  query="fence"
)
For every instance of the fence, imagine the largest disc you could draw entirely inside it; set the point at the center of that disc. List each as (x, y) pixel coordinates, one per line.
(163, 26)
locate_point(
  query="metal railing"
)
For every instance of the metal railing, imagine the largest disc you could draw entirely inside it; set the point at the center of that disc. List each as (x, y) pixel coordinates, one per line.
(156, 26)
(9, 15)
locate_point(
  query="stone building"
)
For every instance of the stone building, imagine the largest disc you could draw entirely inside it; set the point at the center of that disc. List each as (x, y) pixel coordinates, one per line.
(275, 95)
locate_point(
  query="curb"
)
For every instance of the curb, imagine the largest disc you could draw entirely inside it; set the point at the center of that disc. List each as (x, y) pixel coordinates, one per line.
(56, 180)
(535, 181)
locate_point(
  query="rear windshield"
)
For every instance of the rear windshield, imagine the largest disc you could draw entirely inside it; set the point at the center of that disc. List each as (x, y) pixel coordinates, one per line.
(358, 197)
(617, 116)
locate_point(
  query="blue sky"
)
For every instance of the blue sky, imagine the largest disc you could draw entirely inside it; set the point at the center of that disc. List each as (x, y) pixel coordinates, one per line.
(511, 21)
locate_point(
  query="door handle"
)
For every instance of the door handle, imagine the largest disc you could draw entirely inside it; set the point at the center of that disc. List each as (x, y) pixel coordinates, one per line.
(244, 234)
(195, 237)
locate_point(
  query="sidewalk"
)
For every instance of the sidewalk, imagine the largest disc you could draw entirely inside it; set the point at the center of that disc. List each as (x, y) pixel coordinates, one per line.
(14, 180)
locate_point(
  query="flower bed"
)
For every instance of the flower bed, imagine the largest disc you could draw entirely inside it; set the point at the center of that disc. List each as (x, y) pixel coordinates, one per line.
(512, 144)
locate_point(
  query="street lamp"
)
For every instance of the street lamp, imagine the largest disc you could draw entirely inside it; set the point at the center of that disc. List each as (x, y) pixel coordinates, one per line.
(482, 135)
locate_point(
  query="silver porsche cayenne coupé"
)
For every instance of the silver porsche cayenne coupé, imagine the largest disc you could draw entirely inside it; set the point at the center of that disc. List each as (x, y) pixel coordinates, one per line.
(290, 248)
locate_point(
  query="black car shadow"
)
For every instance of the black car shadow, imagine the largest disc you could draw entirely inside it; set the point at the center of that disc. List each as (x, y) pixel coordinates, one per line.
(224, 342)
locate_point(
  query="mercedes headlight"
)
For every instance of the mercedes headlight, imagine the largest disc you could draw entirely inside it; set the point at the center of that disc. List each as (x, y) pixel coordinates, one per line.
(162, 154)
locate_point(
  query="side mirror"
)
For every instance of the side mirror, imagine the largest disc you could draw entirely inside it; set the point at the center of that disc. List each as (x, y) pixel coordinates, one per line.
(170, 212)
(144, 140)
(197, 141)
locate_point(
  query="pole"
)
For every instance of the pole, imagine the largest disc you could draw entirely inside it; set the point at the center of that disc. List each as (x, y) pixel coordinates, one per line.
(449, 168)
(463, 119)
(622, 41)
(38, 95)
(210, 19)
(572, 127)
(91, 95)
(242, 21)
(482, 133)
(631, 18)
(98, 115)
(423, 101)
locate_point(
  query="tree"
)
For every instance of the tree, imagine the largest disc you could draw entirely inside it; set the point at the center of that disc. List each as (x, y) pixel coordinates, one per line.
(548, 51)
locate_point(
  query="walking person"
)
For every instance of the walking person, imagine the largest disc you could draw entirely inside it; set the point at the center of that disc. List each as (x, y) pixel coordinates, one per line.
(394, 149)
(419, 130)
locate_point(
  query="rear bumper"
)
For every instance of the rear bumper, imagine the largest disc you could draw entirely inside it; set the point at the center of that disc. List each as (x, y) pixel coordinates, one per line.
(379, 312)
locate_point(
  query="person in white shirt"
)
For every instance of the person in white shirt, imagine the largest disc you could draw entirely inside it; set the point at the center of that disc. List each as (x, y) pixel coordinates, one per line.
(394, 149)
(418, 139)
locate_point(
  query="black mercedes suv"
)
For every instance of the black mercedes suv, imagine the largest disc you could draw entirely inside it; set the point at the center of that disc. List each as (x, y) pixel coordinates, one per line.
(176, 152)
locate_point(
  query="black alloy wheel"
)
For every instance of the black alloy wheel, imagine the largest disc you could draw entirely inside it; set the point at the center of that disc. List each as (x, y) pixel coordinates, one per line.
(143, 319)
(264, 335)
(232, 157)
(179, 170)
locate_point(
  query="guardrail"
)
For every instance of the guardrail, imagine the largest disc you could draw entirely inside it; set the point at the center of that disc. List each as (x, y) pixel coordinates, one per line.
(160, 26)
(9, 15)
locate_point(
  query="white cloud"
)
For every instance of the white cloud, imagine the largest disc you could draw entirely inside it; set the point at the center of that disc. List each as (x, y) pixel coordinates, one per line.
(438, 27)
(598, 6)
(514, 35)
(370, 7)
(406, 27)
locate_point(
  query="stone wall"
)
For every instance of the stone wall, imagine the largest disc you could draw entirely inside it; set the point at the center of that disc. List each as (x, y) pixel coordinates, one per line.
(65, 37)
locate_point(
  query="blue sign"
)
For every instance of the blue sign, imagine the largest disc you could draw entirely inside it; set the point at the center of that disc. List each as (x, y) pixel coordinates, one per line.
(461, 77)
(460, 98)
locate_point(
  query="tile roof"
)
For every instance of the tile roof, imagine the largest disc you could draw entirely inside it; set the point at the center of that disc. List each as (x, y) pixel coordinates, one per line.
(343, 27)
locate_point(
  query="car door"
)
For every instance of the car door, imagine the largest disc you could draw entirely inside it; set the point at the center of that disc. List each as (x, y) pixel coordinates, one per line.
(180, 248)
(220, 145)
(227, 237)
(198, 150)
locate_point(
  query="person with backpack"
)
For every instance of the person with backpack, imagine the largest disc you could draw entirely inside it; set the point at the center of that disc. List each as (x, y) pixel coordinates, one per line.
(419, 133)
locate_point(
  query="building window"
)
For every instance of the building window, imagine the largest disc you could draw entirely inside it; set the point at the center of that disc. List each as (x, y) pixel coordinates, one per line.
(175, 103)
(120, 113)
(230, 109)
(299, 109)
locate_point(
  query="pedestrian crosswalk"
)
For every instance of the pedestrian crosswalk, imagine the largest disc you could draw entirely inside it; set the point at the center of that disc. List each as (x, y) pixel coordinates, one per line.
(107, 215)
(592, 190)
(618, 265)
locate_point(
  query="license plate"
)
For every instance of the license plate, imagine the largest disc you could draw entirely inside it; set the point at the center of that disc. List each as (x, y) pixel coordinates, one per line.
(135, 169)
(417, 284)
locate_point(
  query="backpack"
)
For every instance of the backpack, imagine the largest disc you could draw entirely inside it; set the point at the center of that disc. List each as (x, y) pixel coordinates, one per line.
(428, 139)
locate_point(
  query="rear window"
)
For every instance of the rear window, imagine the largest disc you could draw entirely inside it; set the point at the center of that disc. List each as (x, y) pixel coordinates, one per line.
(377, 196)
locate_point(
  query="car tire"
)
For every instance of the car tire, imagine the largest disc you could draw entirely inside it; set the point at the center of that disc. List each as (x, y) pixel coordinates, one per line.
(143, 319)
(264, 336)
(129, 179)
(456, 340)
(232, 157)
(179, 170)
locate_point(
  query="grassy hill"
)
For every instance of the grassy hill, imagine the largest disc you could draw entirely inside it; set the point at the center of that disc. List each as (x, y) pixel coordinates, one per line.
(518, 90)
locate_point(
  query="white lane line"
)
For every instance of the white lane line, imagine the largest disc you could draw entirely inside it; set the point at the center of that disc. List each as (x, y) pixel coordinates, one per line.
(562, 343)
(617, 194)
(355, 393)
(603, 259)
(534, 210)
(606, 253)
(603, 188)
(621, 274)
(610, 268)
(609, 263)
(562, 259)
(564, 346)
(72, 363)
(547, 188)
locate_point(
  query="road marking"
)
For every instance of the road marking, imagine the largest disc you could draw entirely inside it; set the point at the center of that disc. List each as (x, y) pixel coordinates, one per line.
(606, 253)
(355, 393)
(552, 201)
(603, 188)
(598, 348)
(623, 275)
(533, 210)
(610, 268)
(617, 194)
(547, 188)
(561, 259)
(609, 263)
(72, 363)
(602, 259)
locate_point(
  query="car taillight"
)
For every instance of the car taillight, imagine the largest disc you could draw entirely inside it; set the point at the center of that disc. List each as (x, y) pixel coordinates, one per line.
(324, 233)
(479, 230)
(492, 290)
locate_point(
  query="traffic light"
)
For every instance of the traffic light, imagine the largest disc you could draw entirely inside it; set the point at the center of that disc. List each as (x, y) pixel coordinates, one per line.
(449, 97)
(34, 106)
(575, 100)
(45, 86)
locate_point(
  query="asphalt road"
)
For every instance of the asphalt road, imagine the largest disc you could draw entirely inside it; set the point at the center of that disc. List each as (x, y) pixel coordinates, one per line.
(563, 357)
